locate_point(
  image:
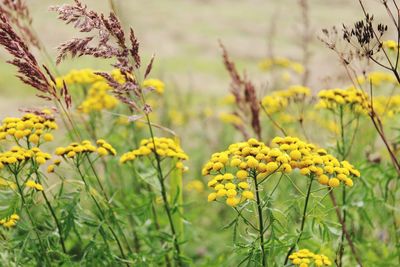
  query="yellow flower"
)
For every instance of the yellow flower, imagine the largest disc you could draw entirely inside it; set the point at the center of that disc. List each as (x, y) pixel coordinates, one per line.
(29, 125)
(254, 159)
(314, 161)
(281, 62)
(50, 168)
(212, 197)
(195, 185)
(228, 100)
(34, 185)
(272, 166)
(304, 257)
(18, 154)
(390, 44)
(40, 160)
(232, 201)
(85, 147)
(102, 151)
(48, 137)
(248, 194)
(34, 138)
(230, 119)
(155, 84)
(98, 97)
(279, 100)
(334, 182)
(164, 148)
(349, 99)
(241, 174)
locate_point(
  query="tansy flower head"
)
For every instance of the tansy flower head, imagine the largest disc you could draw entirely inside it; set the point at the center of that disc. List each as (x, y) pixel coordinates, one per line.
(234, 170)
(195, 185)
(34, 185)
(104, 148)
(387, 106)
(377, 78)
(74, 150)
(304, 258)
(282, 63)
(10, 221)
(155, 84)
(228, 100)
(391, 45)
(163, 147)
(230, 119)
(279, 100)
(98, 97)
(349, 99)
(34, 128)
(18, 155)
(311, 160)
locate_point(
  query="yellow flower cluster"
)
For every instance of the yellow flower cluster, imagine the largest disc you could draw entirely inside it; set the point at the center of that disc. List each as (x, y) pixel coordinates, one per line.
(280, 62)
(303, 258)
(10, 222)
(390, 44)
(32, 184)
(195, 185)
(228, 100)
(82, 76)
(387, 106)
(164, 147)
(230, 119)
(97, 97)
(279, 100)
(353, 99)
(233, 169)
(75, 150)
(19, 155)
(317, 162)
(377, 78)
(30, 126)
(51, 167)
(155, 84)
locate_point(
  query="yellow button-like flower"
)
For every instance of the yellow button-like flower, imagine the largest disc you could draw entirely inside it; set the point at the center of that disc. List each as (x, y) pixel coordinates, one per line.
(334, 182)
(232, 201)
(212, 197)
(241, 174)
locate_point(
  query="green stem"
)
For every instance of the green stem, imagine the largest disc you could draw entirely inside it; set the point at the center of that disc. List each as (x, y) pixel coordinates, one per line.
(164, 197)
(342, 153)
(343, 145)
(260, 222)
(156, 224)
(303, 221)
(44, 253)
(102, 215)
(396, 235)
(176, 194)
(53, 214)
(344, 228)
(108, 203)
(273, 121)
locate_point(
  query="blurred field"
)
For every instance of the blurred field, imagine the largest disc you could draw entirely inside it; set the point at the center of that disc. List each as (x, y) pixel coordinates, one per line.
(184, 37)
